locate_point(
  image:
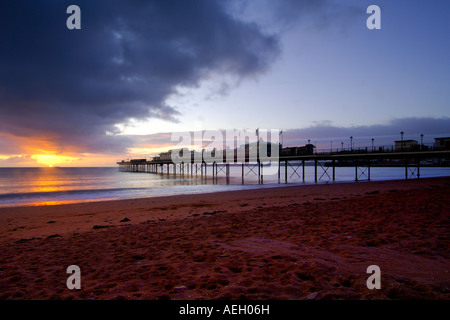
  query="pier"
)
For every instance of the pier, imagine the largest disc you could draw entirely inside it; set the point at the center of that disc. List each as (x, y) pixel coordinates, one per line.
(324, 165)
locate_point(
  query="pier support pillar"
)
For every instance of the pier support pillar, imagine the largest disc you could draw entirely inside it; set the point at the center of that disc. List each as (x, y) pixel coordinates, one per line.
(334, 170)
(303, 170)
(259, 172)
(285, 171)
(279, 169)
(418, 169)
(315, 170)
(262, 173)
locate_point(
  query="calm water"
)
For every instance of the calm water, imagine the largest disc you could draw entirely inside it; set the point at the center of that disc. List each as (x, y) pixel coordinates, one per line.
(44, 186)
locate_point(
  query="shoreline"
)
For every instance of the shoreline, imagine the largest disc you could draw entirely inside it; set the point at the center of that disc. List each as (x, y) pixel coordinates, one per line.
(290, 242)
(250, 187)
(19, 198)
(63, 218)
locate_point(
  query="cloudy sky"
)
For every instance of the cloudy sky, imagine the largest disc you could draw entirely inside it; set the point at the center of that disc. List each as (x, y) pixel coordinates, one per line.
(138, 70)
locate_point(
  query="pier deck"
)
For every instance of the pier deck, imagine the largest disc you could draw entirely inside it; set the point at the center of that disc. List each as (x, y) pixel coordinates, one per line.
(362, 162)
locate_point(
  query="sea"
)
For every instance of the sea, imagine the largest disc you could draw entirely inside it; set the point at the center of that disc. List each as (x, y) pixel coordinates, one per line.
(63, 185)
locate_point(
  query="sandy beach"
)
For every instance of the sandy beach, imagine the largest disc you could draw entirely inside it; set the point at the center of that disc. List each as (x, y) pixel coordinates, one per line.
(296, 242)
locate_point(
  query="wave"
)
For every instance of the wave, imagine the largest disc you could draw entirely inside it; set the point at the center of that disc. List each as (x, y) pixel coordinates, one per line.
(67, 193)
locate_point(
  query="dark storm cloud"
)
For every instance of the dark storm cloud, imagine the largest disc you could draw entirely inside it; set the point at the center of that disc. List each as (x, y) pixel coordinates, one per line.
(318, 14)
(73, 86)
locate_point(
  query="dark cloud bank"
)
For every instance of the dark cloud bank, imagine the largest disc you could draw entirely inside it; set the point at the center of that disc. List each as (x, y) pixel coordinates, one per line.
(411, 126)
(384, 134)
(73, 86)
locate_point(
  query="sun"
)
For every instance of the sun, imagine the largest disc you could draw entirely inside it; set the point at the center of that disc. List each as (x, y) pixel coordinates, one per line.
(51, 160)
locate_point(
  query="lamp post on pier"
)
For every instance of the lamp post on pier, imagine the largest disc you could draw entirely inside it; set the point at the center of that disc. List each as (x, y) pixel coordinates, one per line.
(281, 134)
(401, 134)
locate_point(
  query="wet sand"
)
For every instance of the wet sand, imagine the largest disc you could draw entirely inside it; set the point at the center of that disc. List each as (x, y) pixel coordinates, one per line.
(304, 242)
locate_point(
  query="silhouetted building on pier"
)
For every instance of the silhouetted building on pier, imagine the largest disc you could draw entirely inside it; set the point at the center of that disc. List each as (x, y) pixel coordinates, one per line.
(297, 151)
(407, 145)
(442, 143)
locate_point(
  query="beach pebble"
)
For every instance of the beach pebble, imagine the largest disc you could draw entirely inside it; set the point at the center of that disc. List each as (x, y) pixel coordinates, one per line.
(180, 288)
(24, 240)
(312, 296)
(99, 227)
(53, 236)
(214, 212)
